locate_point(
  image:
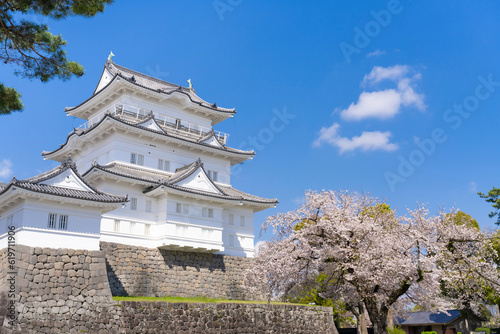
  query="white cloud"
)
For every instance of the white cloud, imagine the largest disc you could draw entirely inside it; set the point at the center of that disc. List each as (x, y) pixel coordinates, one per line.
(473, 187)
(408, 94)
(393, 73)
(382, 104)
(375, 53)
(367, 141)
(5, 168)
(385, 104)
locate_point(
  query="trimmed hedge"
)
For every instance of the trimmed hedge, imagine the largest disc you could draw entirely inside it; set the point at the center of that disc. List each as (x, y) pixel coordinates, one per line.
(395, 330)
(483, 329)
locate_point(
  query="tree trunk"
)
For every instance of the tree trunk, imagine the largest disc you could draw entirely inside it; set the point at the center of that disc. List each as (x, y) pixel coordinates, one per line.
(378, 316)
(359, 313)
(362, 323)
(379, 326)
(390, 320)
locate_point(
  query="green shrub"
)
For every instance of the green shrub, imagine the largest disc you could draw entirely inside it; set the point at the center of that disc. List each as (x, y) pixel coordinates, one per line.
(429, 332)
(483, 329)
(395, 330)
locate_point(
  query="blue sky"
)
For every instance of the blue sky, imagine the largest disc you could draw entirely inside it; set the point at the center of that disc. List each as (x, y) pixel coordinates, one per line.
(395, 98)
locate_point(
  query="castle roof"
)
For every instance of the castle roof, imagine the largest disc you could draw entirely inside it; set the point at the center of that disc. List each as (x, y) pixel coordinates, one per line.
(62, 181)
(152, 84)
(154, 129)
(179, 182)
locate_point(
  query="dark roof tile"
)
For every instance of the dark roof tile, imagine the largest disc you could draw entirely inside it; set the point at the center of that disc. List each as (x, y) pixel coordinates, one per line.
(158, 180)
(427, 318)
(34, 184)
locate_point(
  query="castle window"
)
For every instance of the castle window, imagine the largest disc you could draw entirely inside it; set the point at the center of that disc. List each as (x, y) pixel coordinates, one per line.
(212, 175)
(116, 227)
(208, 212)
(164, 165)
(182, 208)
(231, 219)
(242, 221)
(137, 159)
(149, 205)
(52, 220)
(133, 204)
(63, 222)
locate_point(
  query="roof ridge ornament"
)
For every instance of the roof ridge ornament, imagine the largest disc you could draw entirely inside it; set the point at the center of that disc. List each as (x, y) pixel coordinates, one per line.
(69, 162)
(190, 84)
(111, 54)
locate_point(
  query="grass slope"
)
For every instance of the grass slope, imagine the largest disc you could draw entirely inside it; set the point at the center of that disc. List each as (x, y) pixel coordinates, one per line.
(195, 300)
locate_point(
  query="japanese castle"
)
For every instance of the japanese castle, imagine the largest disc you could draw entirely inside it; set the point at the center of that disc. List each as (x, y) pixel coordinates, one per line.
(146, 169)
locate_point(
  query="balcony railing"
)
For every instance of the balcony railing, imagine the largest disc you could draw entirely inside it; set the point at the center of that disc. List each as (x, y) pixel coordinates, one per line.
(170, 124)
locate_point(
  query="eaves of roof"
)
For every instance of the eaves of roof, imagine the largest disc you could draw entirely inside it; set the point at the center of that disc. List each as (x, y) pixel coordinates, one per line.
(80, 133)
(179, 89)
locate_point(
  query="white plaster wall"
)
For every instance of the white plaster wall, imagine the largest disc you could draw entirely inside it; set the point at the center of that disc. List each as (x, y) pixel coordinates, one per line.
(167, 108)
(80, 219)
(30, 218)
(133, 191)
(36, 237)
(16, 211)
(168, 227)
(118, 147)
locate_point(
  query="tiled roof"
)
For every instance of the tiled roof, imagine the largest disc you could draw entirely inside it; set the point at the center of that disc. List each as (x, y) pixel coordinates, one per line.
(428, 318)
(147, 81)
(81, 132)
(209, 135)
(127, 171)
(158, 180)
(34, 184)
(153, 84)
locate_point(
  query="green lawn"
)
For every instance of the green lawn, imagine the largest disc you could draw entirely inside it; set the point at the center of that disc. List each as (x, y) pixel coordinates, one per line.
(194, 300)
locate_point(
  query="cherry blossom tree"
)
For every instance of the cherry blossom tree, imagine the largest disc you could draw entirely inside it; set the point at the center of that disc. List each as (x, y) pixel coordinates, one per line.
(374, 257)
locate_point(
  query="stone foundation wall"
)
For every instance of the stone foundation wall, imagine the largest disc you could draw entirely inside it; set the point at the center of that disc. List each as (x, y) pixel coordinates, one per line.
(4, 286)
(60, 289)
(138, 271)
(67, 291)
(136, 317)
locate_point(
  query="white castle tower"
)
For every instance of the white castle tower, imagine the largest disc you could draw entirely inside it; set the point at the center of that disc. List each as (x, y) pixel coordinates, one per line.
(155, 142)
